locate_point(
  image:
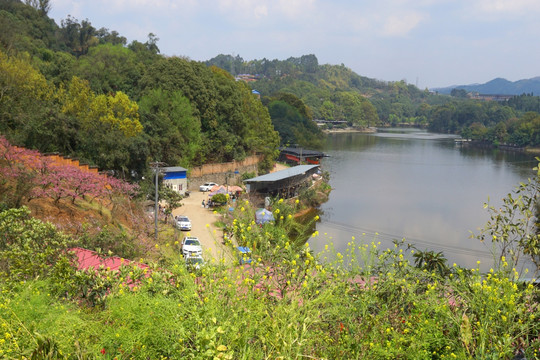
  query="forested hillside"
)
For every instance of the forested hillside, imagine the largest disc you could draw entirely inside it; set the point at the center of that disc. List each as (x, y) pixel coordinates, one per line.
(335, 92)
(86, 93)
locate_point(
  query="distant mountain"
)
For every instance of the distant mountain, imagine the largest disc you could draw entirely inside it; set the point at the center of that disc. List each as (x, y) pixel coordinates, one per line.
(499, 86)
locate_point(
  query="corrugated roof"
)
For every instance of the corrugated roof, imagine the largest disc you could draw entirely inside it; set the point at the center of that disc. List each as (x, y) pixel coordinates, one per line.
(282, 174)
(174, 169)
(303, 152)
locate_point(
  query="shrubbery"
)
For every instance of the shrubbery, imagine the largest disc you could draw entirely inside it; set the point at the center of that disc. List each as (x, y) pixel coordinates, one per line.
(288, 303)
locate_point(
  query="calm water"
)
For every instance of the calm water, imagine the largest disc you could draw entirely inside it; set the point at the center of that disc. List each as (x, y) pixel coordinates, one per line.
(418, 186)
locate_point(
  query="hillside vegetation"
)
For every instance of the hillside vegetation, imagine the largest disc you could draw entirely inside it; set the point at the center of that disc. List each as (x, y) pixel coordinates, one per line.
(87, 93)
(336, 93)
(287, 303)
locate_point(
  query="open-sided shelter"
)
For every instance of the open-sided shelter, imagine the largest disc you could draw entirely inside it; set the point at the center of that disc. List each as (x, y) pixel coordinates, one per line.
(284, 183)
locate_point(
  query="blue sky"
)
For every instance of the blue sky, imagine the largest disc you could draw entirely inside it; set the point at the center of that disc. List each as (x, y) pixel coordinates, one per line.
(431, 43)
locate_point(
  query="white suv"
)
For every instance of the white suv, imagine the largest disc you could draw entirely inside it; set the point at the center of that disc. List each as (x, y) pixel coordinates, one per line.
(207, 186)
(191, 246)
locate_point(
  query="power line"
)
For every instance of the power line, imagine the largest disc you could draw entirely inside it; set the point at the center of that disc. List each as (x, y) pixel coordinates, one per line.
(391, 237)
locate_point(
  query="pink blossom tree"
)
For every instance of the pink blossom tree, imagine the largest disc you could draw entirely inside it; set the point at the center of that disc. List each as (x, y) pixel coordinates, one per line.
(20, 170)
(28, 174)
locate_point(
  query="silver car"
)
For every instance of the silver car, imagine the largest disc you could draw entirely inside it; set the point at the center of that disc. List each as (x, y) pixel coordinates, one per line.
(183, 223)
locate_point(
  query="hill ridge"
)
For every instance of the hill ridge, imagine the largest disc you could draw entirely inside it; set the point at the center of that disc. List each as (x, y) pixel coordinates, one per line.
(498, 85)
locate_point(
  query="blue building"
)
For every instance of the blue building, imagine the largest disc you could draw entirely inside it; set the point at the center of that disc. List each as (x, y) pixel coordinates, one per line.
(176, 178)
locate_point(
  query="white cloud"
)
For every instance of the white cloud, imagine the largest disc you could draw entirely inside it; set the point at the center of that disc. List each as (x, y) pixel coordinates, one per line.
(290, 9)
(401, 25)
(508, 6)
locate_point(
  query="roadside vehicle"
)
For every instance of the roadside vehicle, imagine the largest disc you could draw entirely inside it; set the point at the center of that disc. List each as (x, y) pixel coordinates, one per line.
(207, 186)
(191, 246)
(194, 263)
(183, 223)
(244, 255)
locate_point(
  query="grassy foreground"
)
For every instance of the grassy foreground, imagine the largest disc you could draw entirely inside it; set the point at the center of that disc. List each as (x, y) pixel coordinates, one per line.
(367, 303)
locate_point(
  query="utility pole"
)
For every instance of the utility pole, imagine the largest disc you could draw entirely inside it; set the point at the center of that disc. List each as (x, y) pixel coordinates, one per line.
(156, 167)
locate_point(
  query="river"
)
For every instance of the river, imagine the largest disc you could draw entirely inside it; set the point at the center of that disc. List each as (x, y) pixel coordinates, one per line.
(418, 186)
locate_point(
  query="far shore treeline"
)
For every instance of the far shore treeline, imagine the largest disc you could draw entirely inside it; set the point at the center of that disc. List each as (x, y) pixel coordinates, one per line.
(90, 94)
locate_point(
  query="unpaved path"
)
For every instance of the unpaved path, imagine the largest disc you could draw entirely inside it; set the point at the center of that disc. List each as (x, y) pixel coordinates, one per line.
(203, 227)
(203, 223)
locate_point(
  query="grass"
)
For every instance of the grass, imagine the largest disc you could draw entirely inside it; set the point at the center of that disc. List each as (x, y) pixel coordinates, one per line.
(96, 207)
(288, 304)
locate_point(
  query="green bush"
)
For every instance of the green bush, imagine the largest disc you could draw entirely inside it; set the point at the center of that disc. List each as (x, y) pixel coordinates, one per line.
(366, 302)
(29, 247)
(111, 241)
(248, 175)
(220, 199)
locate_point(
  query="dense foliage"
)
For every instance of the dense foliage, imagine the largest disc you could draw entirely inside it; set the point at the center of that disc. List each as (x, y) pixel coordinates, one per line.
(85, 93)
(335, 93)
(365, 303)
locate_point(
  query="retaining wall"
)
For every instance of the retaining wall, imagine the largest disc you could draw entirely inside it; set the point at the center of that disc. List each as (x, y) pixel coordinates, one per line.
(222, 173)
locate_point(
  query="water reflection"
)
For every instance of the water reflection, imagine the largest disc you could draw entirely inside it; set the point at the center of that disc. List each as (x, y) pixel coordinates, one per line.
(417, 186)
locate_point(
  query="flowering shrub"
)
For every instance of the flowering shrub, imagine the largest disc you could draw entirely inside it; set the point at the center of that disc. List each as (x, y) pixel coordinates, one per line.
(366, 302)
(27, 174)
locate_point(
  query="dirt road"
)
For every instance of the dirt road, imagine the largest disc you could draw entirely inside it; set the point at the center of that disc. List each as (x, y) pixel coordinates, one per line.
(203, 227)
(202, 223)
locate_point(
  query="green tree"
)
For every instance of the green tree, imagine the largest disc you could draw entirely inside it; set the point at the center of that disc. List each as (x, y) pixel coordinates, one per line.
(26, 99)
(110, 126)
(292, 127)
(173, 132)
(43, 6)
(296, 102)
(261, 137)
(77, 37)
(110, 68)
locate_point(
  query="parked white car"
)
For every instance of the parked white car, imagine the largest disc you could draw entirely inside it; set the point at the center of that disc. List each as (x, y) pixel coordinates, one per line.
(183, 223)
(207, 186)
(191, 246)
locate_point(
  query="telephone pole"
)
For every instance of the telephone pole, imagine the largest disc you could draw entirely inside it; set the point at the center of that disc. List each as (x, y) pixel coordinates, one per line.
(156, 166)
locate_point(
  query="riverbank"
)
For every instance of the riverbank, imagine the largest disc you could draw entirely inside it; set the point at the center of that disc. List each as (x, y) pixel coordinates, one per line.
(370, 130)
(533, 150)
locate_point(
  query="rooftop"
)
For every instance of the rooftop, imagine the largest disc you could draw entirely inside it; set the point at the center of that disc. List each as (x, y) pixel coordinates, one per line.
(282, 174)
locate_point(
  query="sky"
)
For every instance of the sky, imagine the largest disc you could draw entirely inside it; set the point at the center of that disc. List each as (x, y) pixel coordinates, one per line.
(428, 43)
